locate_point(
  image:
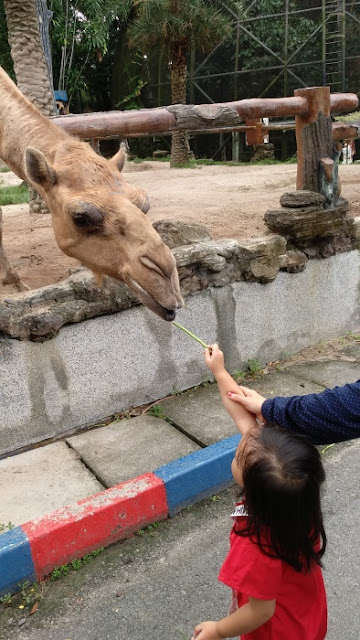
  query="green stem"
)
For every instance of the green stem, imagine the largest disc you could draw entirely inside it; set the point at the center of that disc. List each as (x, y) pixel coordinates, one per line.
(179, 326)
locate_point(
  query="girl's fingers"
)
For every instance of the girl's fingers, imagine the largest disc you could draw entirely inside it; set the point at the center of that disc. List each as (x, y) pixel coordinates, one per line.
(236, 397)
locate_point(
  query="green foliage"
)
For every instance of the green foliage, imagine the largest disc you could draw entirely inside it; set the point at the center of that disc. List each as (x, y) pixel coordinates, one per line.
(5, 57)
(4, 169)
(178, 24)
(80, 36)
(6, 527)
(75, 565)
(157, 411)
(254, 366)
(14, 195)
(149, 529)
(6, 599)
(128, 102)
(26, 597)
(349, 117)
(239, 376)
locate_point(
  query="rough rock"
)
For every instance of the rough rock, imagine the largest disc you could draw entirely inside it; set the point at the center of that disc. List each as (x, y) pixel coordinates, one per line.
(176, 233)
(293, 261)
(261, 257)
(353, 230)
(160, 153)
(307, 223)
(301, 198)
(39, 314)
(263, 151)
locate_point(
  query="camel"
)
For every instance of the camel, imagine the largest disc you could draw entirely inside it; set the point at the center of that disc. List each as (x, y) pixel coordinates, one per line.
(97, 216)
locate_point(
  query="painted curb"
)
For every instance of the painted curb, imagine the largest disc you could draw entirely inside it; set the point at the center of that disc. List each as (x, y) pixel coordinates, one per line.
(15, 561)
(199, 474)
(33, 550)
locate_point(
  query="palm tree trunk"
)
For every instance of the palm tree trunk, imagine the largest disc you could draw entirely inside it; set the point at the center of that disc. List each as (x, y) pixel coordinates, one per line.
(30, 66)
(180, 151)
(28, 55)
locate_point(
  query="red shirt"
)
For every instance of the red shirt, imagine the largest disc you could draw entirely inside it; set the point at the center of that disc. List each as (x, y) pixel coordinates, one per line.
(301, 611)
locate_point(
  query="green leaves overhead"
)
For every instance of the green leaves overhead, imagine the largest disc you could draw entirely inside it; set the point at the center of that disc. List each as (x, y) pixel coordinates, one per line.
(175, 23)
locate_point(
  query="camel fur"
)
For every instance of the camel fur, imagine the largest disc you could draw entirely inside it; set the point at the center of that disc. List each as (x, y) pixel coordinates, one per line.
(97, 216)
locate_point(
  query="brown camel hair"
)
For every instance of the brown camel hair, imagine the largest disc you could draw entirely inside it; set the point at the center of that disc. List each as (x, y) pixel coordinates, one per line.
(97, 216)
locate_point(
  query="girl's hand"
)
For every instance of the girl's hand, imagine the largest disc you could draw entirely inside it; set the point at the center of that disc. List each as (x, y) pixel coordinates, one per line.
(214, 359)
(250, 399)
(206, 631)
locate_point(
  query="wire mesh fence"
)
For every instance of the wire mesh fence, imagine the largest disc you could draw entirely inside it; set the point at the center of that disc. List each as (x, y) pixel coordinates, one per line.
(275, 47)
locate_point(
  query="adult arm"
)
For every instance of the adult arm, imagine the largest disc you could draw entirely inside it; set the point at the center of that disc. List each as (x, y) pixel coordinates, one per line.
(330, 416)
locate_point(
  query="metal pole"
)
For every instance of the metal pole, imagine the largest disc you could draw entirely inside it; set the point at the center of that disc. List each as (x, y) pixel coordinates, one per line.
(343, 44)
(324, 42)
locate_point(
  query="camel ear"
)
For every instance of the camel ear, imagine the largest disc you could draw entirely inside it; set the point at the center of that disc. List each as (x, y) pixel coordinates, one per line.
(38, 170)
(118, 160)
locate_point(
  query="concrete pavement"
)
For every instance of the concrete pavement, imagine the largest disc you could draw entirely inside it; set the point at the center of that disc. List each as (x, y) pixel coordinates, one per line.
(161, 583)
(182, 439)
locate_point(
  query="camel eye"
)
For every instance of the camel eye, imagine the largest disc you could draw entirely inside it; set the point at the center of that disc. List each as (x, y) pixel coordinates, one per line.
(152, 265)
(87, 217)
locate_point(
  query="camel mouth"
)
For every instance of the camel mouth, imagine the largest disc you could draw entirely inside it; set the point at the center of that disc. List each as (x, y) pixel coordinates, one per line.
(146, 298)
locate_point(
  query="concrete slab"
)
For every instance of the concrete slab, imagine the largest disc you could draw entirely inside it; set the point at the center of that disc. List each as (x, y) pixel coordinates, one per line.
(283, 383)
(125, 449)
(200, 413)
(352, 350)
(37, 482)
(329, 373)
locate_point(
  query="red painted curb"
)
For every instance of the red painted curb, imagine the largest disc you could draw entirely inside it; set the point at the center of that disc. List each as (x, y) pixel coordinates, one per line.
(97, 521)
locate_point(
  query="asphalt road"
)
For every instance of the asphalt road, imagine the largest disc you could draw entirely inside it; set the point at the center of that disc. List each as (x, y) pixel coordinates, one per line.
(160, 584)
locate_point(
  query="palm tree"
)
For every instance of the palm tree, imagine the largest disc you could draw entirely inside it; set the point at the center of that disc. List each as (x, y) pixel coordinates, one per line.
(30, 66)
(27, 52)
(177, 26)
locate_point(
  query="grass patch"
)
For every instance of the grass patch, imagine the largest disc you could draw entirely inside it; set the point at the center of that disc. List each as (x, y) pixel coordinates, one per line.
(196, 162)
(150, 159)
(14, 195)
(6, 527)
(349, 117)
(75, 565)
(4, 169)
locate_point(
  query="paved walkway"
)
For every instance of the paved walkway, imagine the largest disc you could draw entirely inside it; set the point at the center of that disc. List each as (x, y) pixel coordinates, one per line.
(37, 482)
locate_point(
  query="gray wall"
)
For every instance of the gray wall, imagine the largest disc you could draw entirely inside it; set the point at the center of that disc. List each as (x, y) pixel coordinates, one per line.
(107, 364)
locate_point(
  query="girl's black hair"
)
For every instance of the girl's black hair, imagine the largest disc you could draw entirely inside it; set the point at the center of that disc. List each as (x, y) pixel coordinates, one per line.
(282, 473)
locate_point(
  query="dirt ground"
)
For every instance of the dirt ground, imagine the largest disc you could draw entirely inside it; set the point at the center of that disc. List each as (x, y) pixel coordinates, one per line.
(230, 201)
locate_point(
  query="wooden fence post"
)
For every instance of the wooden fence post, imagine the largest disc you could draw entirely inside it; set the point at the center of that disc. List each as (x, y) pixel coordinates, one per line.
(316, 152)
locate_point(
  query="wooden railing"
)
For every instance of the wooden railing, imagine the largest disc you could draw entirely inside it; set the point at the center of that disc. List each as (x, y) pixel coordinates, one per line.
(312, 108)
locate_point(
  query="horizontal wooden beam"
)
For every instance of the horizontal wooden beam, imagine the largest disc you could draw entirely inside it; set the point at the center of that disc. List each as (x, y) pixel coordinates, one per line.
(192, 117)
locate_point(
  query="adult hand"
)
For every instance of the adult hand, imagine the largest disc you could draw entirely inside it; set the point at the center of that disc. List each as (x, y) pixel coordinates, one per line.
(206, 631)
(214, 359)
(250, 399)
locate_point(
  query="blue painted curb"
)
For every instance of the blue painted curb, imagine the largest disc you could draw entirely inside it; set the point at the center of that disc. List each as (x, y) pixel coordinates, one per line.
(186, 481)
(199, 474)
(16, 565)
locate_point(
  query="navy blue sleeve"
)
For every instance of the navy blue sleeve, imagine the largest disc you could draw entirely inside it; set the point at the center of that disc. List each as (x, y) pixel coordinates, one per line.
(330, 416)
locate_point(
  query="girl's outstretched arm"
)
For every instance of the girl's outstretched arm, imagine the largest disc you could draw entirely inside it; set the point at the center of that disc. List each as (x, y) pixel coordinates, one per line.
(249, 617)
(243, 419)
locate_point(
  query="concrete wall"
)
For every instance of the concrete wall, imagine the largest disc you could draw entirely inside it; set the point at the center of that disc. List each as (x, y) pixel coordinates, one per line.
(95, 368)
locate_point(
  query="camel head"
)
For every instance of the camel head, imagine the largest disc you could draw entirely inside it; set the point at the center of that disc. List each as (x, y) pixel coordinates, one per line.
(99, 219)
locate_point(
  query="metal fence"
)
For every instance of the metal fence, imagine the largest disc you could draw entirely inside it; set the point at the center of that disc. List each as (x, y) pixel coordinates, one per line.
(276, 47)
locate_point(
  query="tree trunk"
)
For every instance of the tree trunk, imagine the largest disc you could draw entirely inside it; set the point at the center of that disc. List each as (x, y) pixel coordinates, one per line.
(180, 150)
(28, 55)
(30, 65)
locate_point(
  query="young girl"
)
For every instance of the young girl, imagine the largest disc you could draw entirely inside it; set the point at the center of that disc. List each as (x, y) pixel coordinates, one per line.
(278, 538)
